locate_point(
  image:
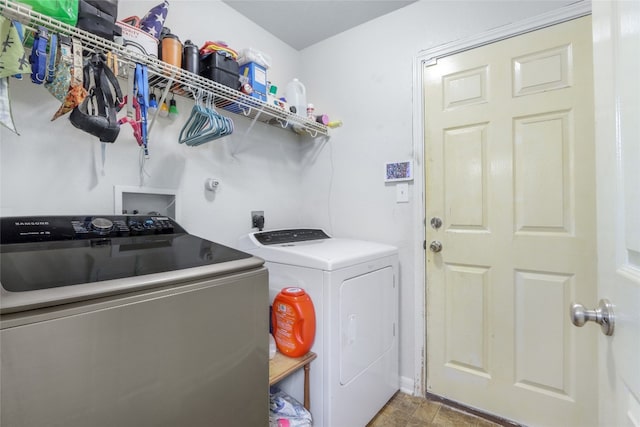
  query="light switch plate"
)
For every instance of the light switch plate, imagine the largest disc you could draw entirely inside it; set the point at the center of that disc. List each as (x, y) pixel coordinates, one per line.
(402, 192)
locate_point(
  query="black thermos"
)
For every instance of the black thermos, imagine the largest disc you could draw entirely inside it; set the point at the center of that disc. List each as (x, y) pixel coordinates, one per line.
(191, 57)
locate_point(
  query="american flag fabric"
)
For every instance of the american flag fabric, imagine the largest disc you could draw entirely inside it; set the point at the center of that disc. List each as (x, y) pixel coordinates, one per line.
(153, 21)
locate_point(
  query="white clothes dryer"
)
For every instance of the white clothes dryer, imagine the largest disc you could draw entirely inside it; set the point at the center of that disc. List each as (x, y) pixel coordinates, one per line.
(354, 288)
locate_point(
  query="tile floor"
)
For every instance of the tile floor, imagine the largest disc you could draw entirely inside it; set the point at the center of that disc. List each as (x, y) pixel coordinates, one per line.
(404, 410)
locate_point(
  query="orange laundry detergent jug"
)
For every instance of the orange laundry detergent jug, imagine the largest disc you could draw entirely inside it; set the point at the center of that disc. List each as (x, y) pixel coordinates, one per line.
(294, 322)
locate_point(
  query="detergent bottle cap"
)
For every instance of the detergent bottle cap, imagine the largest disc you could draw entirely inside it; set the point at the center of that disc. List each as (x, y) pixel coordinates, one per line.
(293, 291)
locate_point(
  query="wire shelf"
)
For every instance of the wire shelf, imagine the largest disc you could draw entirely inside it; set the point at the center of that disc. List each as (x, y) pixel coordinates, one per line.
(166, 77)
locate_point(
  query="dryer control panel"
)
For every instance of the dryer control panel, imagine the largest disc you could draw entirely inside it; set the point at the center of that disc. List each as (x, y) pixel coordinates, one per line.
(279, 237)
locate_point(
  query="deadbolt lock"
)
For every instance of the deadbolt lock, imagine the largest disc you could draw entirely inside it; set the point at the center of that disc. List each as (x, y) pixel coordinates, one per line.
(436, 222)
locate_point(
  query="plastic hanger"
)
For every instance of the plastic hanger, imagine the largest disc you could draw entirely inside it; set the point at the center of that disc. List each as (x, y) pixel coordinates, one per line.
(204, 123)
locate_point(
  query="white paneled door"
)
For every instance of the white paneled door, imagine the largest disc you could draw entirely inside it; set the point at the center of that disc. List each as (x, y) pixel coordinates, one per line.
(617, 96)
(510, 172)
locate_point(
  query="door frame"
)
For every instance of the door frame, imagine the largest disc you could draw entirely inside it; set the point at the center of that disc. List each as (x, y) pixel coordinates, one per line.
(422, 59)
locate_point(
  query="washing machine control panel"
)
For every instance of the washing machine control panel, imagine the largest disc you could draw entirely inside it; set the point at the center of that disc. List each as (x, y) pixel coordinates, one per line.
(59, 228)
(279, 237)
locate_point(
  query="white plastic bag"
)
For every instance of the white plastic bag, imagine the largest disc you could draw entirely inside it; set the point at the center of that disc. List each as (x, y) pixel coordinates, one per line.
(249, 54)
(285, 411)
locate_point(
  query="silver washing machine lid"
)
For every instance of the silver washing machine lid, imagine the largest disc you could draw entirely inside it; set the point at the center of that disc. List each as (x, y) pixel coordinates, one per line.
(50, 260)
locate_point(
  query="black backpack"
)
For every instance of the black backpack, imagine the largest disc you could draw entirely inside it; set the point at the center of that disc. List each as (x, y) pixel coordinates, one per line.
(99, 17)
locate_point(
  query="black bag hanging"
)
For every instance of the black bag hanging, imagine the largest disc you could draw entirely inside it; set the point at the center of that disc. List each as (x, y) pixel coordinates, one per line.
(99, 17)
(97, 113)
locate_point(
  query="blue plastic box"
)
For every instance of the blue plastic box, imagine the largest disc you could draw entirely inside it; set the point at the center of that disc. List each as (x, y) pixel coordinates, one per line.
(257, 77)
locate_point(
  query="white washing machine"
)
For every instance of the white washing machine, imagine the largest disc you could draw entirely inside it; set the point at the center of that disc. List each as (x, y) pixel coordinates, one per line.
(354, 288)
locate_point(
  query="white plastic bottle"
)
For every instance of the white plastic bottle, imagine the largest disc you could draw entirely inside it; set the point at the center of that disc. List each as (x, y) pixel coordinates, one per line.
(296, 96)
(272, 347)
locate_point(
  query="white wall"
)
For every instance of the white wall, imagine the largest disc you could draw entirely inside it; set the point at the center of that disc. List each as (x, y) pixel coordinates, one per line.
(364, 76)
(53, 168)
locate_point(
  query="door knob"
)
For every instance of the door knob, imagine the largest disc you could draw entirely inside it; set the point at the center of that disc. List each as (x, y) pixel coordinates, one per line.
(435, 246)
(603, 315)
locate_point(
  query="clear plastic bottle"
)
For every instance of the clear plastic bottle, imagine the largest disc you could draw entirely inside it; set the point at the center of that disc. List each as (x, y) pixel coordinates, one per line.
(296, 96)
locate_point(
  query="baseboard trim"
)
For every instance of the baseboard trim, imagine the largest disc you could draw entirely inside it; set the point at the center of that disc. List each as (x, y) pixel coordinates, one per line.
(406, 386)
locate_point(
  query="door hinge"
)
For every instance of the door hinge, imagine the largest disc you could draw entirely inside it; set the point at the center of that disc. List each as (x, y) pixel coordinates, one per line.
(424, 245)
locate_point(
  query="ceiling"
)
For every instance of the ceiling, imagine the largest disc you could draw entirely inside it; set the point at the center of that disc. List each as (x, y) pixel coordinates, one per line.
(302, 23)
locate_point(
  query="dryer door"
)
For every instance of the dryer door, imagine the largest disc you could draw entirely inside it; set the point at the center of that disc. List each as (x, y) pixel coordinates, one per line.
(367, 326)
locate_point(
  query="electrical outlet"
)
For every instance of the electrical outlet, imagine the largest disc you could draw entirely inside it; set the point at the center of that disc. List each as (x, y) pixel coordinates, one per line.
(257, 217)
